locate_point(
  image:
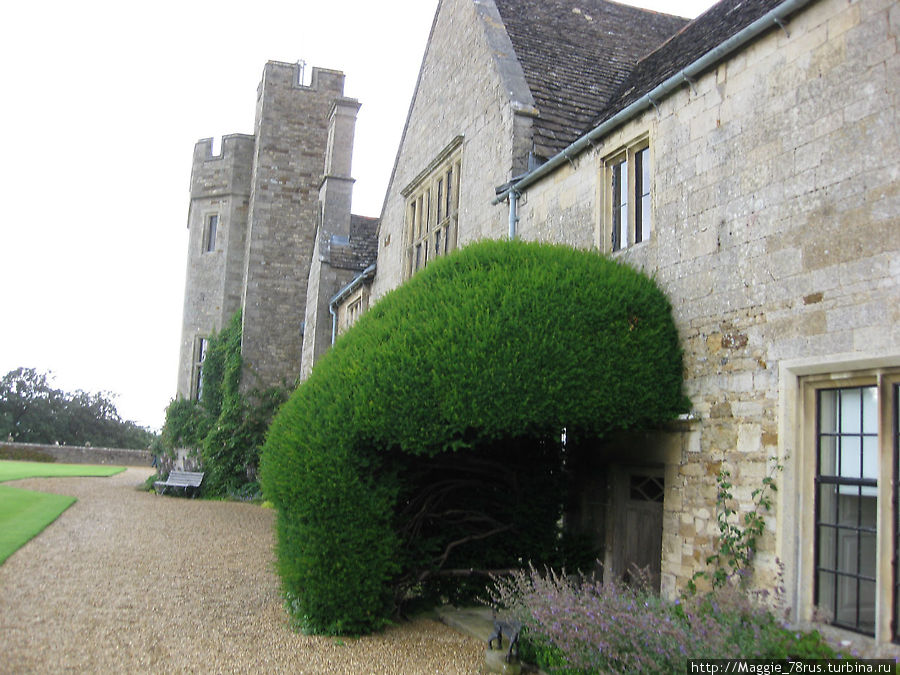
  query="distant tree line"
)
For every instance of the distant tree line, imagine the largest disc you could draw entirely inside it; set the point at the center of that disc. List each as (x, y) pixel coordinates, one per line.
(33, 411)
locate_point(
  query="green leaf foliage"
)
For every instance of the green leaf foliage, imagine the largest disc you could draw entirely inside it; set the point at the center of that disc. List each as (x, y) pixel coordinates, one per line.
(227, 425)
(442, 400)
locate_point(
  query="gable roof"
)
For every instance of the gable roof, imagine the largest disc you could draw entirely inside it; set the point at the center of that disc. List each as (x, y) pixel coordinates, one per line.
(722, 21)
(575, 55)
(726, 28)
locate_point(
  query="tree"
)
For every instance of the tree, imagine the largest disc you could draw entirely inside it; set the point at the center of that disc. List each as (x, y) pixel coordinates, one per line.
(32, 411)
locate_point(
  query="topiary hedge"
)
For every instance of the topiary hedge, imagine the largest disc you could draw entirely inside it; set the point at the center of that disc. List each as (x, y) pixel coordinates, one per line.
(500, 345)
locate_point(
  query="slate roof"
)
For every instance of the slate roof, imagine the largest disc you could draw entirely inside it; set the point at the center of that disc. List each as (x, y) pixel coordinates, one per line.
(707, 31)
(575, 55)
(360, 251)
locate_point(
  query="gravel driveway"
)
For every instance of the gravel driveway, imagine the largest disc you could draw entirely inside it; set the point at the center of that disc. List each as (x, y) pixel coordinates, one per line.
(126, 581)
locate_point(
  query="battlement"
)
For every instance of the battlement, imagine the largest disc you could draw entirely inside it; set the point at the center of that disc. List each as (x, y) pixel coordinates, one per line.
(291, 76)
(227, 172)
(232, 145)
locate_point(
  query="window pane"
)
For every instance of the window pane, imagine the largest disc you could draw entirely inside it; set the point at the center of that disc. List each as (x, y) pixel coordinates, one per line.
(850, 447)
(867, 606)
(847, 551)
(450, 192)
(868, 512)
(419, 220)
(645, 170)
(828, 411)
(825, 595)
(211, 226)
(848, 506)
(867, 554)
(870, 410)
(828, 456)
(642, 195)
(620, 205)
(645, 217)
(826, 547)
(828, 504)
(845, 610)
(850, 411)
(870, 457)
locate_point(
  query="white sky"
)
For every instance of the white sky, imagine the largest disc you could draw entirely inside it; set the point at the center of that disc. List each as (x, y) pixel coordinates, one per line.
(101, 102)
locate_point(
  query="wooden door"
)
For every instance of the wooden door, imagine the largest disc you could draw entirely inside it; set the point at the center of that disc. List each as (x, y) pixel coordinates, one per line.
(637, 521)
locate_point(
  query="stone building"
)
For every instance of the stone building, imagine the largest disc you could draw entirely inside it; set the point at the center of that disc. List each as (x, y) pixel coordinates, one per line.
(748, 161)
(256, 211)
(733, 167)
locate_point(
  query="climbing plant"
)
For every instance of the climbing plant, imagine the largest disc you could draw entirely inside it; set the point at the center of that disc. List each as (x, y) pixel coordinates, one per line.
(226, 426)
(739, 534)
(427, 443)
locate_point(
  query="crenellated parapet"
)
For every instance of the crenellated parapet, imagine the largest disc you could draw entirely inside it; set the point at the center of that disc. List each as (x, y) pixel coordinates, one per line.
(224, 173)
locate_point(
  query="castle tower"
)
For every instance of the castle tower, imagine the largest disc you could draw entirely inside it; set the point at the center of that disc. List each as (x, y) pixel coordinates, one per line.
(217, 224)
(291, 140)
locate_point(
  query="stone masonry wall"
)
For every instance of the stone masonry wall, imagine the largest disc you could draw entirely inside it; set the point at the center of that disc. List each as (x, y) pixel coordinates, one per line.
(291, 132)
(220, 184)
(776, 202)
(76, 454)
(476, 93)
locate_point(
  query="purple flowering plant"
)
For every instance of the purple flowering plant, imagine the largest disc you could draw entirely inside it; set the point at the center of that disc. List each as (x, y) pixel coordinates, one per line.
(577, 625)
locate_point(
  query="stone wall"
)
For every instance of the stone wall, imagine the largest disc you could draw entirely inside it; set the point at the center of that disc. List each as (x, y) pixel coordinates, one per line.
(71, 454)
(477, 93)
(220, 185)
(291, 137)
(776, 201)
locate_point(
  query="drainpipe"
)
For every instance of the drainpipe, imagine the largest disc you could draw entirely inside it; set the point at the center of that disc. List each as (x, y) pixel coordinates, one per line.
(774, 17)
(513, 214)
(333, 313)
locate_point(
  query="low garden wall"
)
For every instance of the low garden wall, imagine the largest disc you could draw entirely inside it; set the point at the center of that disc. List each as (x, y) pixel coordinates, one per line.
(72, 454)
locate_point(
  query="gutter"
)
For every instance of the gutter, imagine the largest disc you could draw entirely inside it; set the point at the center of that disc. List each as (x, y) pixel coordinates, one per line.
(364, 276)
(774, 17)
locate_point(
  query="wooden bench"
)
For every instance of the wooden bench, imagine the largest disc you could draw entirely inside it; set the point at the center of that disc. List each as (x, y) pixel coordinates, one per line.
(188, 481)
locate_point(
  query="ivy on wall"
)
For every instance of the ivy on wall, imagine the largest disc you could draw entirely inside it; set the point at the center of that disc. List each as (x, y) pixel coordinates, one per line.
(428, 440)
(226, 426)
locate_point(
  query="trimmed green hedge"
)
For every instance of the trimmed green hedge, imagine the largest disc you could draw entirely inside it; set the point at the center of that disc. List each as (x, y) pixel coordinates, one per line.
(502, 344)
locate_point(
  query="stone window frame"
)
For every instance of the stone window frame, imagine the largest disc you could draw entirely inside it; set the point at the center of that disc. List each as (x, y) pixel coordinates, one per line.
(211, 223)
(638, 190)
(431, 220)
(800, 382)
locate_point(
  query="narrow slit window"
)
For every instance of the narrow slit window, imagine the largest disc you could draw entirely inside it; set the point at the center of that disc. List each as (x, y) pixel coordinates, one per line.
(212, 224)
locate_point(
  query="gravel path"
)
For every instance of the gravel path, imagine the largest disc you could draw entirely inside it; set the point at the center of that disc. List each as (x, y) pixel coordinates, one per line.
(126, 581)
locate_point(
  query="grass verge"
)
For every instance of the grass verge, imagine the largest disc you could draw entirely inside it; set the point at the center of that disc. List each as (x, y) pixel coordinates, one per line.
(24, 513)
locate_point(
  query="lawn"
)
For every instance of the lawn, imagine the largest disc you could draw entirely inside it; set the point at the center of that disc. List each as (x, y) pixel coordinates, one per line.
(25, 513)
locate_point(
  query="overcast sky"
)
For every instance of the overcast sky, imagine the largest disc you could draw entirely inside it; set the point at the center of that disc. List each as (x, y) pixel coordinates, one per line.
(101, 103)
